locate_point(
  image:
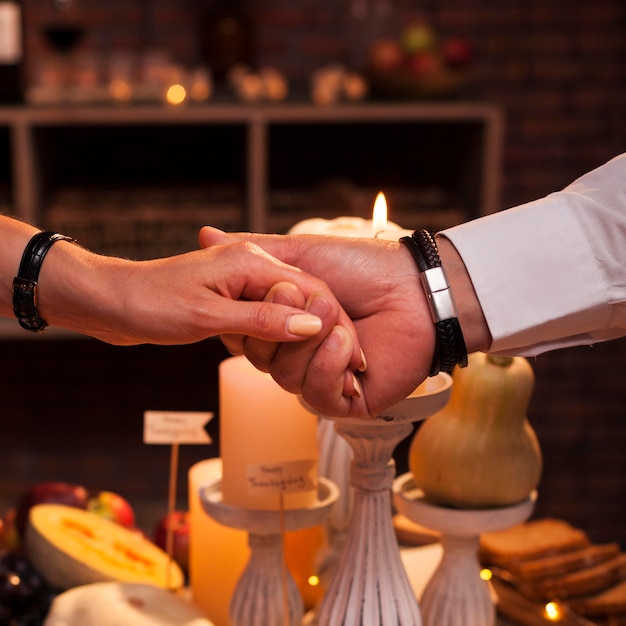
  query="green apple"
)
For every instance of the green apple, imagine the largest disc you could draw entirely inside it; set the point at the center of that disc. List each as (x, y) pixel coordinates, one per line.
(417, 36)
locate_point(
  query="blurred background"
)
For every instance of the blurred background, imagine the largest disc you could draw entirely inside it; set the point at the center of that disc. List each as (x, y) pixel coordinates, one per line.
(512, 100)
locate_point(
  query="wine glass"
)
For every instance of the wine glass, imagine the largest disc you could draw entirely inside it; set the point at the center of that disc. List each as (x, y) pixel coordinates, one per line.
(63, 30)
(62, 27)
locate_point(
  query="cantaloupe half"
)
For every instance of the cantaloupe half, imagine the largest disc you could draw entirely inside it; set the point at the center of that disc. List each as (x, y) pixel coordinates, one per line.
(72, 547)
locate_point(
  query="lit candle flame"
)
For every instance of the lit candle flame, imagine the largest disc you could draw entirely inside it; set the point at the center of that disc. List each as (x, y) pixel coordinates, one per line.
(379, 215)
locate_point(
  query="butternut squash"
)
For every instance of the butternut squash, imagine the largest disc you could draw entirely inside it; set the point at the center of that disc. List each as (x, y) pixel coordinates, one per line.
(480, 451)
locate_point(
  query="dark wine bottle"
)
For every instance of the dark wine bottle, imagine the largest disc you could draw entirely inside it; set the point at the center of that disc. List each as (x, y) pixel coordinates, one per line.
(226, 37)
(11, 52)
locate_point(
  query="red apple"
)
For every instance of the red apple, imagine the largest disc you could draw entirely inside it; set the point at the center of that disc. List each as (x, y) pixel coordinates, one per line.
(178, 522)
(385, 55)
(457, 52)
(113, 507)
(424, 64)
(9, 536)
(51, 492)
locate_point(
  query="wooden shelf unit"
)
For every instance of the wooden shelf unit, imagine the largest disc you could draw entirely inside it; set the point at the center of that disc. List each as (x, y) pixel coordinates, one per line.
(265, 151)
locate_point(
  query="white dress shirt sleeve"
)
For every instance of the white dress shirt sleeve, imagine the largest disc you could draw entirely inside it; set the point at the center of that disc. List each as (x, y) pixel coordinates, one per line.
(552, 273)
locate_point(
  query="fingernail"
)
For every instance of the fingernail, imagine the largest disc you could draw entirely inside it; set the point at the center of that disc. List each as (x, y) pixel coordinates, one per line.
(335, 339)
(363, 365)
(282, 293)
(357, 392)
(304, 325)
(318, 305)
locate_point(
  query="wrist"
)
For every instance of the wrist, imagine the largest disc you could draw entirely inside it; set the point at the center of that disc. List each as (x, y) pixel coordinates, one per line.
(26, 282)
(475, 329)
(450, 350)
(81, 291)
(14, 237)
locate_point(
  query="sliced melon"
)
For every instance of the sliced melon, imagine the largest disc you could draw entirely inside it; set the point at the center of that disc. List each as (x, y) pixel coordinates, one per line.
(72, 547)
(114, 604)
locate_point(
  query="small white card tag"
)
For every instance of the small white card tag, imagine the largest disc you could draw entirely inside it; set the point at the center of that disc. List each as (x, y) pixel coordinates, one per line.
(176, 427)
(287, 477)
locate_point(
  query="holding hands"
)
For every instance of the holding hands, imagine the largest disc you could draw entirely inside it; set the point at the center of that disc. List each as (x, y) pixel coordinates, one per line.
(376, 282)
(342, 321)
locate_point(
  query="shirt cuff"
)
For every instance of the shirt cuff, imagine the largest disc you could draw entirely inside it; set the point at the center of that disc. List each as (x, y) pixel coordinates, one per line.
(535, 277)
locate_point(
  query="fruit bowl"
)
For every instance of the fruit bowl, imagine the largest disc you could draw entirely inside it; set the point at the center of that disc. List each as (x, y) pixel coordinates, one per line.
(418, 62)
(404, 84)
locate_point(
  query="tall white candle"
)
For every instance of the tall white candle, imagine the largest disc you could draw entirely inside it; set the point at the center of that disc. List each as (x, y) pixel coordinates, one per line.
(268, 441)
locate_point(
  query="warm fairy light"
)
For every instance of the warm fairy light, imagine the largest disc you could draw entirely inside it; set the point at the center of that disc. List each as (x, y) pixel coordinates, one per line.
(313, 580)
(200, 91)
(485, 574)
(379, 215)
(175, 94)
(553, 612)
(120, 90)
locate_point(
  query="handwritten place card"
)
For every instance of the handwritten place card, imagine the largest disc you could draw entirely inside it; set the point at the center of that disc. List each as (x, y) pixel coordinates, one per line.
(277, 478)
(176, 427)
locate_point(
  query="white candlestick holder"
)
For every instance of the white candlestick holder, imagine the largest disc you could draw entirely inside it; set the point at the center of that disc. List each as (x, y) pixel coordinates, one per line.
(456, 595)
(335, 456)
(266, 590)
(370, 586)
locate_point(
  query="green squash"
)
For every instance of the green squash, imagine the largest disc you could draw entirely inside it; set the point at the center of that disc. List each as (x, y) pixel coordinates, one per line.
(479, 451)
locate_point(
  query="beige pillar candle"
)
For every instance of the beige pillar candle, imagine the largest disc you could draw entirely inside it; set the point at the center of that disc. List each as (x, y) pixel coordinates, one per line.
(268, 441)
(217, 554)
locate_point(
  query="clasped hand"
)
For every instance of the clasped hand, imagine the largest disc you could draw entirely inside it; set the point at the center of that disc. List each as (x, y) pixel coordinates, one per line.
(376, 284)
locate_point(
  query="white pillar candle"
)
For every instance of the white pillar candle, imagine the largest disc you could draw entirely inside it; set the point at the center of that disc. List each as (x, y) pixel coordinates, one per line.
(379, 227)
(268, 441)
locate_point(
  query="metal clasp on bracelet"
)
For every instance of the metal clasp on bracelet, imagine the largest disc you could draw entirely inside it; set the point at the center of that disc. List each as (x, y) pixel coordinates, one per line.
(437, 289)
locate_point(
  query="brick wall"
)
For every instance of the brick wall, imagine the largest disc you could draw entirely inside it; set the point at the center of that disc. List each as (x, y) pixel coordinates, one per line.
(558, 68)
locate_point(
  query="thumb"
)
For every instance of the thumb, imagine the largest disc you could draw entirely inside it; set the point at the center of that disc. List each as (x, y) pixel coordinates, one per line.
(211, 236)
(269, 321)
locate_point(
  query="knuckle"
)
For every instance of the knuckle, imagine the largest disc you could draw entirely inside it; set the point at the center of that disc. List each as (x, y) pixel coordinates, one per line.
(264, 320)
(286, 379)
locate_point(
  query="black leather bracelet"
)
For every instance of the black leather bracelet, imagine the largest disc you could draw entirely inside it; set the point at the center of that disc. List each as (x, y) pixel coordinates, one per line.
(450, 347)
(25, 283)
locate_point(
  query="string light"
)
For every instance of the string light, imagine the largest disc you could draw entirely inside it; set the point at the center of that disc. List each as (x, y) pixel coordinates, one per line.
(485, 574)
(120, 90)
(553, 612)
(175, 94)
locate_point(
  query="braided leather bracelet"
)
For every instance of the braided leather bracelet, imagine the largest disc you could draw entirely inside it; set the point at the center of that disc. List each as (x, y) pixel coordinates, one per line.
(25, 283)
(450, 347)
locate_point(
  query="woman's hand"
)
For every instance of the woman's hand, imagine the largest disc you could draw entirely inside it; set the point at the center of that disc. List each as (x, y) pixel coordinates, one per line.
(185, 298)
